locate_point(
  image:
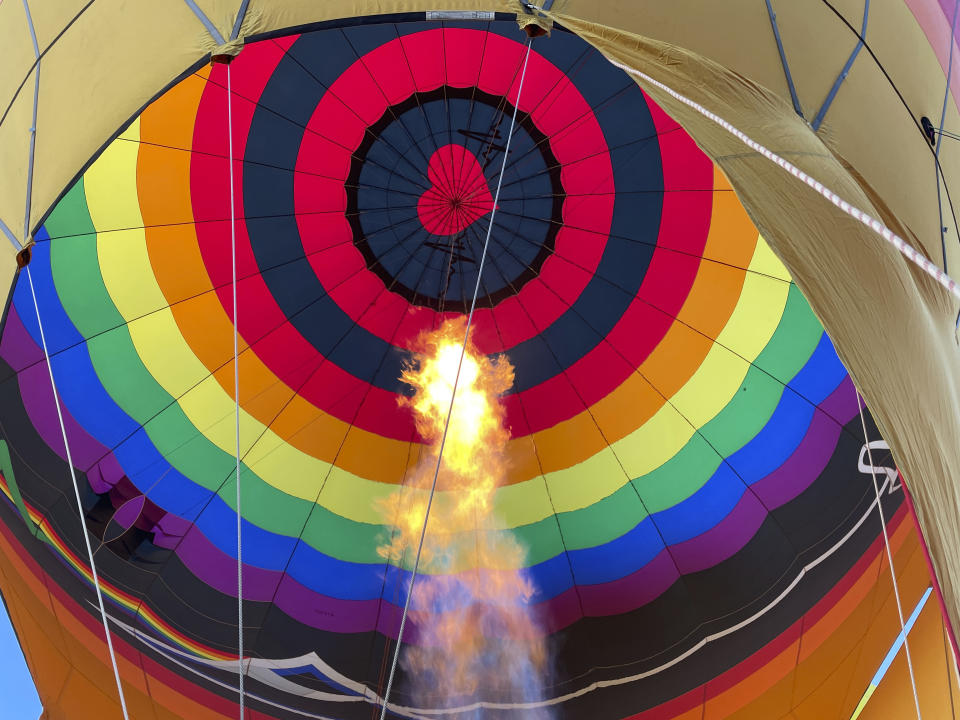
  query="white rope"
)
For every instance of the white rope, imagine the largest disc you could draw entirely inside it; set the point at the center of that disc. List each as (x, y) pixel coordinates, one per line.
(453, 394)
(236, 395)
(886, 542)
(76, 490)
(878, 227)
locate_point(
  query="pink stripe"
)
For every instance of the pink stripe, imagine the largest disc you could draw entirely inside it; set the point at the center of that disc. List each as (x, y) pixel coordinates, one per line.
(934, 19)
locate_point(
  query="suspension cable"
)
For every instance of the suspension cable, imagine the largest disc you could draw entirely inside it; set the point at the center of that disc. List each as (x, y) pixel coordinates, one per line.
(886, 542)
(453, 394)
(943, 117)
(76, 490)
(236, 393)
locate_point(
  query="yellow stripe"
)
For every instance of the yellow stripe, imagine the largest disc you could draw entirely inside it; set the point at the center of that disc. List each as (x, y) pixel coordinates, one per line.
(110, 186)
(863, 702)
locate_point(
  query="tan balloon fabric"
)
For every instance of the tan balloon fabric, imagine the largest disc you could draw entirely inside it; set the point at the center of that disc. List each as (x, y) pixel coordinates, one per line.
(101, 62)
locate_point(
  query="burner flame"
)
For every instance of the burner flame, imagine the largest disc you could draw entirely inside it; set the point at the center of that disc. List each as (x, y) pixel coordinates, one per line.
(476, 637)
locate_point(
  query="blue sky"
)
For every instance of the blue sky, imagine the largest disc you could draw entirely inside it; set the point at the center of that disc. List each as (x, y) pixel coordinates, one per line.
(16, 686)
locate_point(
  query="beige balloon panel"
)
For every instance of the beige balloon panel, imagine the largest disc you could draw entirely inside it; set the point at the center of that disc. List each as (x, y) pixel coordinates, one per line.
(892, 327)
(110, 63)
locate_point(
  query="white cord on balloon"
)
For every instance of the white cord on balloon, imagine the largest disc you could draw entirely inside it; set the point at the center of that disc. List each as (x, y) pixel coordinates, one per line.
(886, 542)
(76, 490)
(236, 394)
(453, 394)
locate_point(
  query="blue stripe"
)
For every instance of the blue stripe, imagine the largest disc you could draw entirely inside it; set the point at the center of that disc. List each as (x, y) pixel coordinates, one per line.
(617, 558)
(821, 374)
(764, 453)
(316, 672)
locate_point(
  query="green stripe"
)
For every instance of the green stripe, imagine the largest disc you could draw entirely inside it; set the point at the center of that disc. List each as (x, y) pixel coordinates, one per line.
(6, 467)
(791, 345)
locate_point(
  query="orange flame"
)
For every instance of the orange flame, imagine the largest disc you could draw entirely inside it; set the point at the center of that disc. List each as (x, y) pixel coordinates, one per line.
(477, 633)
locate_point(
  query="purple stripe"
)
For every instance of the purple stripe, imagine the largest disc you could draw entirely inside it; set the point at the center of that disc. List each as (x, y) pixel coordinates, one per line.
(219, 570)
(814, 452)
(326, 613)
(169, 529)
(351, 616)
(17, 347)
(723, 540)
(105, 474)
(24, 355)
(841, 404)
(623, 595)
(630, 592)
(103, 470)
(947, 7)
(41, 408)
